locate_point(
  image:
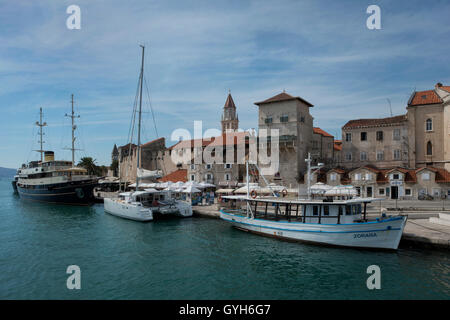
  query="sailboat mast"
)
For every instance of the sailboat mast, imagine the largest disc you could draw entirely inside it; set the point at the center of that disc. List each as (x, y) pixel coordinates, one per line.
(139, 121)
(73, 116)
(41, 141)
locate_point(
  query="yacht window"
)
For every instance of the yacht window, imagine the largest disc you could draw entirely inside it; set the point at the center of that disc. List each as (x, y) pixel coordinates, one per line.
(326, 210)
(341, 210)
(348, 210)
(315, 210)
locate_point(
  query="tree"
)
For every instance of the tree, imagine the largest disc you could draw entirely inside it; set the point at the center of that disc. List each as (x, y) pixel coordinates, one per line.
(89, 164)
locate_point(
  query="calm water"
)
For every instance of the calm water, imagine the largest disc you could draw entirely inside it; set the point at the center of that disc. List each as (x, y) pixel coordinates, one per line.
(190, 259)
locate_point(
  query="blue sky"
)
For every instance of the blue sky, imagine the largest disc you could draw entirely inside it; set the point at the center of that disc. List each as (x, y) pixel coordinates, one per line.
(196, 51)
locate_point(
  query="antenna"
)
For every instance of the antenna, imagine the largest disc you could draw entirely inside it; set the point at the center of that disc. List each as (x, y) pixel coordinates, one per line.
(74, 127)
(390, 107)
(40, 124)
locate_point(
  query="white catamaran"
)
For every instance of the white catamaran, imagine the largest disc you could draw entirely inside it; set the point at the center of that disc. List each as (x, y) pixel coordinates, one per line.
(143, 205)
(327, 221)
(131, 205)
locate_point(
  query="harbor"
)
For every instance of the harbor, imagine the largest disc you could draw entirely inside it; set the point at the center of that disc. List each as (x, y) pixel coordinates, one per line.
(192, 258)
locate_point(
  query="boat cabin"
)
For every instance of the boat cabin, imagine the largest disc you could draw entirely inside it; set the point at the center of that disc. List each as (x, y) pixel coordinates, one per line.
(305, 211)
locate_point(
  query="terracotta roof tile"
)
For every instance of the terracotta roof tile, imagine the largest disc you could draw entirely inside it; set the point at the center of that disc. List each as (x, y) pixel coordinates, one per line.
(283, 97)
(153, 141)
(230, 138)
(178, 175)
(424, 97)
(322, 132)
(446, 88)
(361, 123)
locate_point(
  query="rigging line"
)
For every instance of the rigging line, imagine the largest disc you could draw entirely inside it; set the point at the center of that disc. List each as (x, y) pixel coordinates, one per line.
(151, 108)
(156, 130)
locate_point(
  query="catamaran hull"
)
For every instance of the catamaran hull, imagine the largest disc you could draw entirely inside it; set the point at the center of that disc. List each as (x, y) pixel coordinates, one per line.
(383, 234)
(127, 210)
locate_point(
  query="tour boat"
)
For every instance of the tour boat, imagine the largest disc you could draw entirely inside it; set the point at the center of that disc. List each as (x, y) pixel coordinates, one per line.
(52, 181)
(333, 222)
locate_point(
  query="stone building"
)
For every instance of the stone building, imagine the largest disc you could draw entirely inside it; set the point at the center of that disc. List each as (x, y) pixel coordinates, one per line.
(379, 142)
(428, 114)
(291, 116)
(151, 158)
(419, 138)
(322, 147)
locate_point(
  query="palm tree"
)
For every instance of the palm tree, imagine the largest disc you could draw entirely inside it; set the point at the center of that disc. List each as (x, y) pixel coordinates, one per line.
(89, 164)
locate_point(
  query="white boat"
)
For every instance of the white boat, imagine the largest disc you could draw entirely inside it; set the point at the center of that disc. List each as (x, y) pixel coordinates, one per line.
(131, 205)
(144, 205)
(327, 221)
(338, 223)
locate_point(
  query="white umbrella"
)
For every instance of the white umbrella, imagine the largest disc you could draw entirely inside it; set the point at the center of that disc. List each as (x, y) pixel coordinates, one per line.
(191, 189)
(320, 188)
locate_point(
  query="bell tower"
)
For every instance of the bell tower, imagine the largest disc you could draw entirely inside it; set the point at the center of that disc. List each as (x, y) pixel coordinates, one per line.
(230, 120)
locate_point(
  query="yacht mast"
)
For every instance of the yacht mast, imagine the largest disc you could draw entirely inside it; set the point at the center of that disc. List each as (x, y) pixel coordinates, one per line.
(138, 155)
(41, 141)
(73, 116)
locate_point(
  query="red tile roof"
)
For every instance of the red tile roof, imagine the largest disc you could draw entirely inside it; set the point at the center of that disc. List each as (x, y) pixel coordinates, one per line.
(178, 175)
(230, 138)
(364, 123)
(446, 88)
(283, 97)
(442, 175)
(337, 145)
(424, 97)
(192, 143)
(322, 132)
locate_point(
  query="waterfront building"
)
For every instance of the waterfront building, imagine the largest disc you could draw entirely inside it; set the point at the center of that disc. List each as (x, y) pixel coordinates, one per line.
(379, 142)
(419, 138)
(428, 114)
(291, 116)
(322, 149)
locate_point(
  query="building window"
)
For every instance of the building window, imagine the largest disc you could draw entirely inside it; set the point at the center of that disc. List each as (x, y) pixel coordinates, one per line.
(368, 176)
(395, 176)
(379, 135)
(429, 148)
(284, 118)
(208, 166)
(208, 176)
(268, 120)
(348, 137)
(333, 176)
(429, 125)
(363, 136)
(396, 134)
(381, 191)
(227, 166)
(397, 154)
(380, 155)
(363, 156)
(227, 177)
(192, 166)
(357, 176)
(407, 192)
(348, 156)
(192, 177)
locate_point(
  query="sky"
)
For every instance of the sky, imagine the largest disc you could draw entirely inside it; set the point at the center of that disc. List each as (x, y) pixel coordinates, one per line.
(196, 51)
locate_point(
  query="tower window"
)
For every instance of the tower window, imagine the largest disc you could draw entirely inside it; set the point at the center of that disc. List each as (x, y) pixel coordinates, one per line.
(429, 148)
(429, 125)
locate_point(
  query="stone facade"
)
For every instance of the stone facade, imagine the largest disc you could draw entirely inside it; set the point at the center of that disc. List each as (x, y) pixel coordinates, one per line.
(290, 115)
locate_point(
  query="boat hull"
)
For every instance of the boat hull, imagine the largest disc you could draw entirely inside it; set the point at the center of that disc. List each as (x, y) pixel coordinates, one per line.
(382, 234)
(14, 185)
(129, 211)
(72, 193)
